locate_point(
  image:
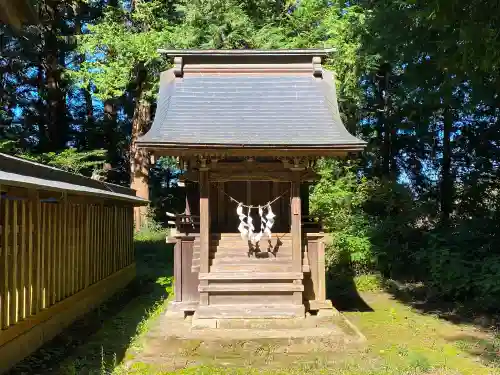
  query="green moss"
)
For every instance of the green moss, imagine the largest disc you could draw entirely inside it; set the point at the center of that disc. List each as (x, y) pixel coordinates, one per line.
(368, 283)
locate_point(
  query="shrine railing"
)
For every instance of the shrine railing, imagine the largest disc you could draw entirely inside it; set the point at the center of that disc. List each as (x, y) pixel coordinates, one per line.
(184, 223)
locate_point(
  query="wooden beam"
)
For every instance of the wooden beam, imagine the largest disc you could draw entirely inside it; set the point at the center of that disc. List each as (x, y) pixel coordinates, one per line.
(233, 150)
(227, 175)
(4, 263)
(204, 220)
(221, 205)
(296, 225)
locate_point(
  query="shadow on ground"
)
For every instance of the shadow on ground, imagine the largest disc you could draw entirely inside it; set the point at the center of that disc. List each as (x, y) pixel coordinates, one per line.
(343, 293)
(418, 296)
(486, 348)
(97, 342)
(341, 288)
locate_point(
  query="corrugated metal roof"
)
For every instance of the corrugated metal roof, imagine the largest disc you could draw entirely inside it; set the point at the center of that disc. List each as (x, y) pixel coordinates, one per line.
(251, 110)
(24, 173)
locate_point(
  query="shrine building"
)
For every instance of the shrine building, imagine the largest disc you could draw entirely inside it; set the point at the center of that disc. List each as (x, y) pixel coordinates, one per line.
(247, 127)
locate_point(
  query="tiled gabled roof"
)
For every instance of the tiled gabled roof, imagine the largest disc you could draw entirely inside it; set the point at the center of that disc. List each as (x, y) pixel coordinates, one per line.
(285, 106)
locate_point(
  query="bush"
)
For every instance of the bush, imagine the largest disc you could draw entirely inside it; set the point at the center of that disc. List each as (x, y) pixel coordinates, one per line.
(377, 227)
(338, 198)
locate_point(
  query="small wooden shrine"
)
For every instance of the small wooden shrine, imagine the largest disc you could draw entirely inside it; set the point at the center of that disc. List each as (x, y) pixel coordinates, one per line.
(247, 127)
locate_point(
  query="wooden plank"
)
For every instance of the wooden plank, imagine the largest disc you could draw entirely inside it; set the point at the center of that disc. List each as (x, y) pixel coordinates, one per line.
(53, 259)
(29, 268)
(76, 248)
(99, 242)
(106, 241)
(131, 238)
(265, 311)
(91, 243)
(46, 240)
(251, 276)
(128, 245)
(41, 265)
(121, 237)
(64, 253)
(60, 264)
(83, 239)
(113, 235)
(80, 246)
(14, 251)
(252, 287)
(95, 243)
(87, 246)
(24, 232)
(37, 264)
(71, 249)
(5, 264)
(2, 256)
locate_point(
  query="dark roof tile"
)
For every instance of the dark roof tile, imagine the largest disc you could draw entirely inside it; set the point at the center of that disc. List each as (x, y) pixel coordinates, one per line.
(252, 110)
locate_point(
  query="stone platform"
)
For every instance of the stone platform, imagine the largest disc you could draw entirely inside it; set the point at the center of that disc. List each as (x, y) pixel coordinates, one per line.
(175, 342)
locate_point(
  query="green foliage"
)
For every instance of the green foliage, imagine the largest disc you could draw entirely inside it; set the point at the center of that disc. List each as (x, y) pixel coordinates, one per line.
(121, 50)
(369, 283)
(7, 145)
(339, 198)
(151, 231)
(70, 160)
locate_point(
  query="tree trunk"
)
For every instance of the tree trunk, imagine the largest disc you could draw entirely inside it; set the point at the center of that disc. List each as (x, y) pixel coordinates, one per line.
(110, 126)
(139, 159)
(40, 109)
(57, 124)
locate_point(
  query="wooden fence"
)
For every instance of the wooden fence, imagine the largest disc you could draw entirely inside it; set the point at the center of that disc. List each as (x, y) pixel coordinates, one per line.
(52, 250)
(62, 252)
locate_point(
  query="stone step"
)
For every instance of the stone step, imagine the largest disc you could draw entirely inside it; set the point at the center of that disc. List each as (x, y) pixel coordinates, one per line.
(279, 324)
(252, 287)
(262, 311)
(251, 276)
(251, 267)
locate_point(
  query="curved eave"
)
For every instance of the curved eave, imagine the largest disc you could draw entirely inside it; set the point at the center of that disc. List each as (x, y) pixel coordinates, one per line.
(177, 149)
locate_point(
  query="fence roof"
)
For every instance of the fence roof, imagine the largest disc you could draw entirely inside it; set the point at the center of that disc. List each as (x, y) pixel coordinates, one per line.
(24, 173)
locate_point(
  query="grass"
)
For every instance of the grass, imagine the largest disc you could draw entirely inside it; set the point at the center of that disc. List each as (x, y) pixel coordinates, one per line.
(400, 339)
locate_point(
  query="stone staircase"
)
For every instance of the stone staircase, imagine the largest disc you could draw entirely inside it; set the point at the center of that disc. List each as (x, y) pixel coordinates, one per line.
(248, 282)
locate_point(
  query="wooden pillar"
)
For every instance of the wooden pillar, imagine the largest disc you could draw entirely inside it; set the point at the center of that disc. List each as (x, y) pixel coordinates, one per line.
(221, 207)
(178, 270)
(204, 229)
(296, 223)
